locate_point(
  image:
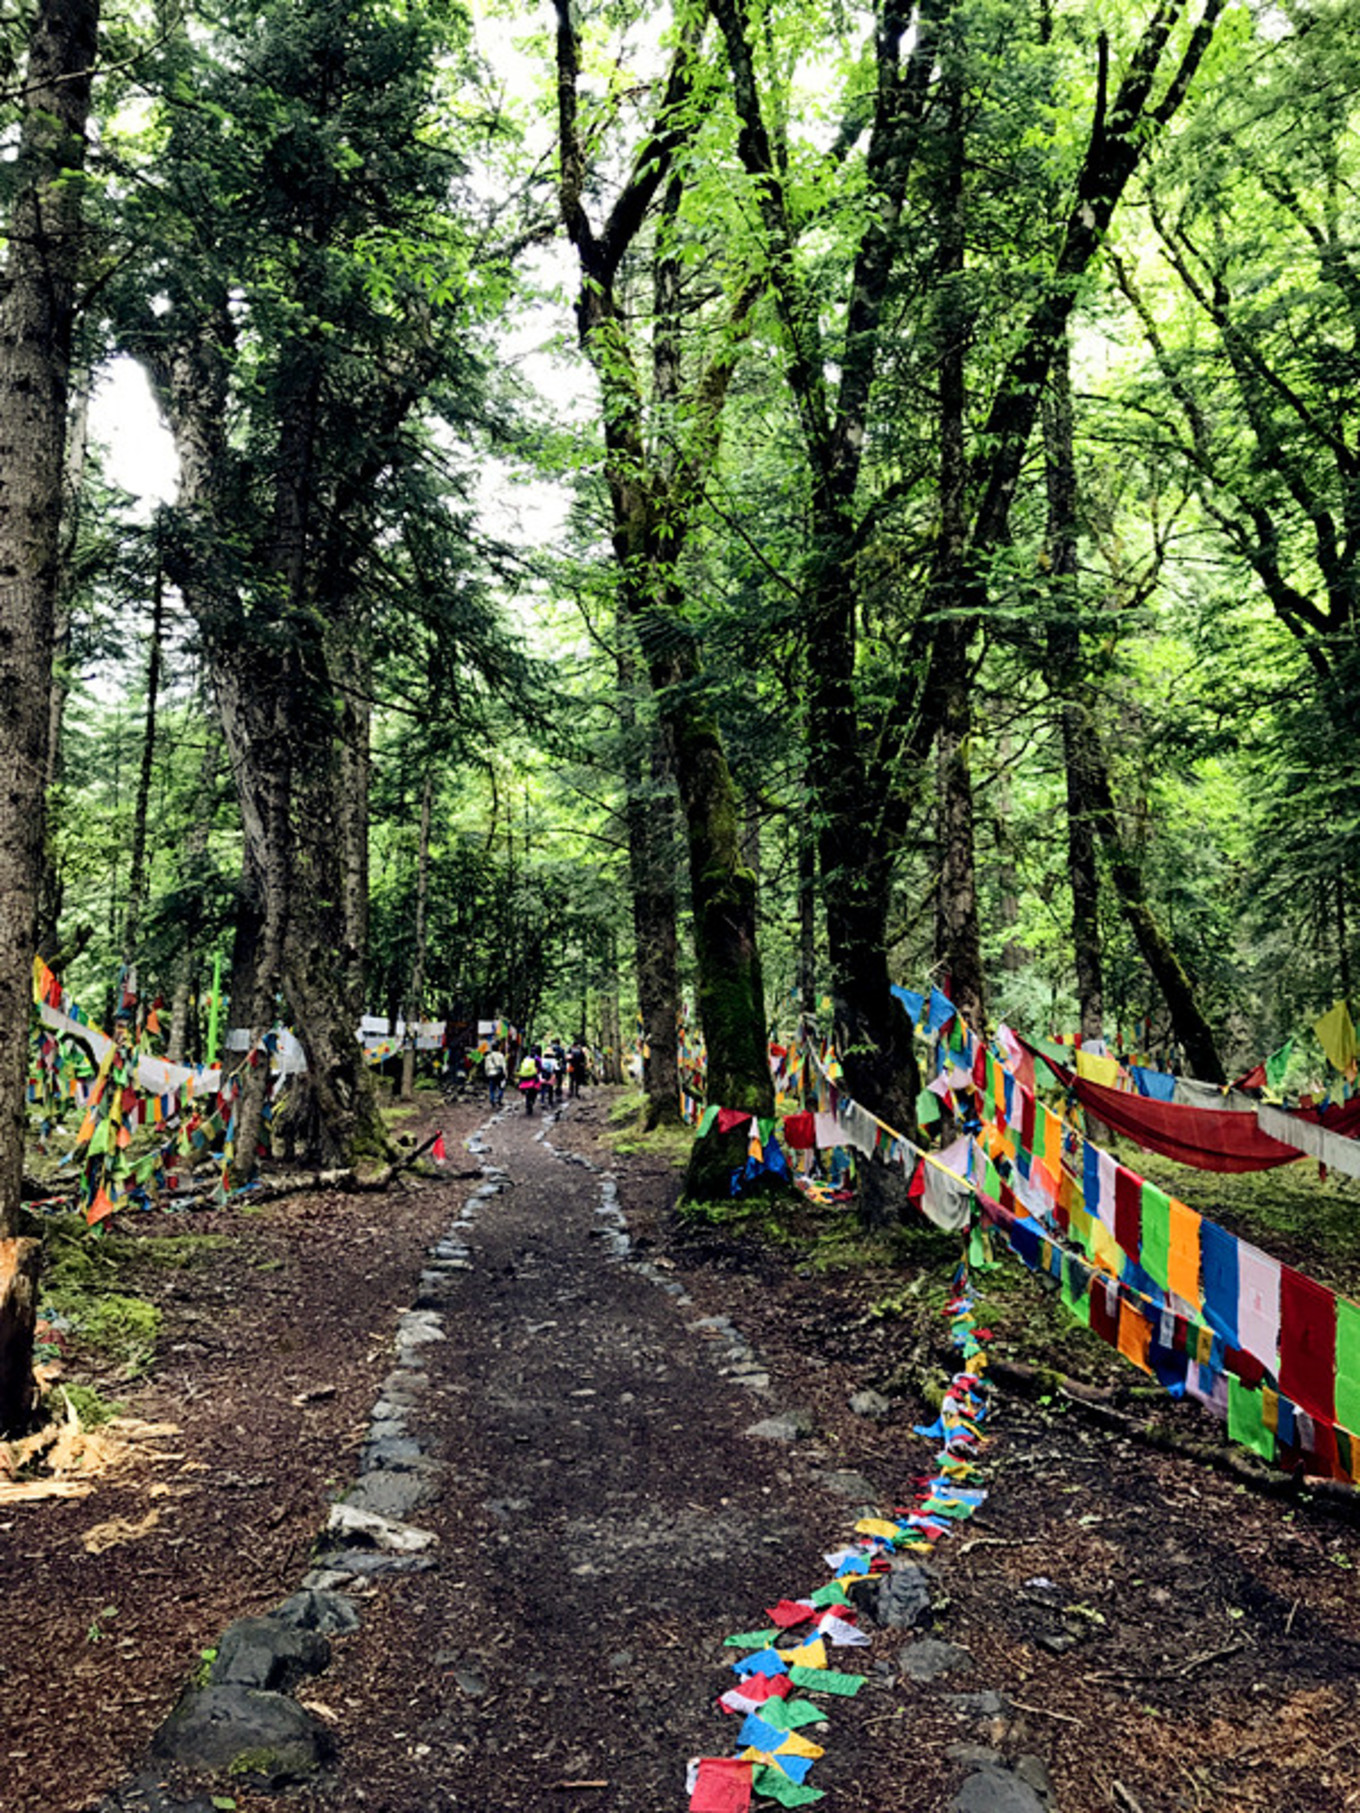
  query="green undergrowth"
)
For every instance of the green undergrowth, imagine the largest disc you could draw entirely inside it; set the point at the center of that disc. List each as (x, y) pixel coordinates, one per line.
(93, 1282)
(626, 1132)
(826, 1239)
(91, 1406)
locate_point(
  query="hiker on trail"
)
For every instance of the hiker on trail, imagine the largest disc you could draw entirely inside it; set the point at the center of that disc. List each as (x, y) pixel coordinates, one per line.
(493, 1069)
(552, 1076)
(527, 1079)
(576, 1068)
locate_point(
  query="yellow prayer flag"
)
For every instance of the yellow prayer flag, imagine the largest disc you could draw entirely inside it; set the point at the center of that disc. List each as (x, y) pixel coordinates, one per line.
(1098, 1070)
(1336, 1035)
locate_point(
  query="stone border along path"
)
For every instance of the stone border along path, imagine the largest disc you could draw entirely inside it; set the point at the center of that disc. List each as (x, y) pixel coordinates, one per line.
(243, 1720)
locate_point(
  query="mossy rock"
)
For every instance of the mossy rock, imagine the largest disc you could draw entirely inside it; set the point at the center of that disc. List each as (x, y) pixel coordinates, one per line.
(245, 1732)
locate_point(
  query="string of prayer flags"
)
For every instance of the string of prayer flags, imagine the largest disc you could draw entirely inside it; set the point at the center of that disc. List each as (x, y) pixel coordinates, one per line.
(769, 1738)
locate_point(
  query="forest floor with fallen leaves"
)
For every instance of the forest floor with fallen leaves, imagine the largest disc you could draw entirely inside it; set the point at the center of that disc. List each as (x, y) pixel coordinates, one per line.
(1165, 1637)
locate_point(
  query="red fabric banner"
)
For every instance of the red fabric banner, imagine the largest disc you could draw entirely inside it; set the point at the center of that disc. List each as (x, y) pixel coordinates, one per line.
(1211, 1139)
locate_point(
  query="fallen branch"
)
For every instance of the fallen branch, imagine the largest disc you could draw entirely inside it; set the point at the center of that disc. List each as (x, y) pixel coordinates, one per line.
(1101, 1404)
(1210, 1655)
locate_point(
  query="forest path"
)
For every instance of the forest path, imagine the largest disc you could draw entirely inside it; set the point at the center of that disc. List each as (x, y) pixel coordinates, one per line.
(604, 1520)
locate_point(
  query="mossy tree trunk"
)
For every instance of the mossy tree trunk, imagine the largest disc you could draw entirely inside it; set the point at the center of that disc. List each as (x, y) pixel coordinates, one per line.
(37, 308)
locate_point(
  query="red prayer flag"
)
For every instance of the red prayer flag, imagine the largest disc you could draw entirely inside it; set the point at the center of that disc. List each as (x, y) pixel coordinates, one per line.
(438, 1150)
(722, 1785)
(789, 1612)
(1128, 1211)
(1308, 1344)
(799, 1132)
(728, 1118)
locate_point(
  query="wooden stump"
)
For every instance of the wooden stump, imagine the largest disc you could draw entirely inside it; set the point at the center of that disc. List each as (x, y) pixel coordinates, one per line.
(20, 1263)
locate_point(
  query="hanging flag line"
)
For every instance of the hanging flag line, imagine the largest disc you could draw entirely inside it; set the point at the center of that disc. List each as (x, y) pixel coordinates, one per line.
(198, 1112)
(1257, 1342)
(772, 1760)
(1209, 1315)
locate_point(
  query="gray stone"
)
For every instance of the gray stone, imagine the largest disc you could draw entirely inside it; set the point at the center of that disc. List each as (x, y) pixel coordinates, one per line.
(996, 1790)
(853, 1486)
(364, 1563)
(265, 1652)
(974, 1755)
(379, 1532)
(393, 1452)
(403, 1388)
(872, 1404)
(902, 1601)
(985, 1705)
(472, 1684)
(1034, 1774)
(787, 1426)
(928, 1658)
(391, 1494)
(330, 1612)
(325, 1579)
(1056, 1643)
(385, 1428)
(417, 1328)
(245, 1732)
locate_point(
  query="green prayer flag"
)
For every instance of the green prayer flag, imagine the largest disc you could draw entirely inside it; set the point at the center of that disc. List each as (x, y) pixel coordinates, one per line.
(1246, 1419)
(928, 1109)
(1155, 1255)
(833, 1593)
(826, 1680)
(99, 1139)
(766, 1128)
(751, 1639)
(1277, 1063)
(788, 1715)
(706, 1120)
(1075, 1280)
(1039, 1144)
(775, 1785)
(1348, 1364)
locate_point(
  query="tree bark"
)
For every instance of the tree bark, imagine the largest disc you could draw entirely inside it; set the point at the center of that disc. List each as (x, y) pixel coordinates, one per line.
(951, 594)
(136, 885)
(1187, 1020)
(416, 993)
(1067, 680)
(36, 316)
(652, 853)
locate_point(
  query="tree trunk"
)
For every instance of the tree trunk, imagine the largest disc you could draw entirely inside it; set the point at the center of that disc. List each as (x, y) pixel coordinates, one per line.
(416, 994)
(807, 917)
(652, 851)
(188, 965)
(36, 313)
(1068, 682)
(136, 888)
(1187, 1021)
(951, 592)
(77, 444)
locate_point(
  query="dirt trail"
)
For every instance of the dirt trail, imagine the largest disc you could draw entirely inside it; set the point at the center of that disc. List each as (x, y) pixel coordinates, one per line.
(603, 1520)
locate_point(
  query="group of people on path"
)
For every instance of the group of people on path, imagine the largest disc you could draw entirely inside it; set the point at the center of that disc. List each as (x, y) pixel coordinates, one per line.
(541, 1071)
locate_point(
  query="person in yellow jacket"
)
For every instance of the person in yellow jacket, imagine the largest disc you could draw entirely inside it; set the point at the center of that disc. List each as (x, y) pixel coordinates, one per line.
(527, 1079)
